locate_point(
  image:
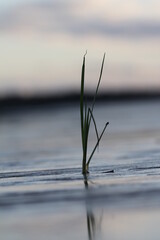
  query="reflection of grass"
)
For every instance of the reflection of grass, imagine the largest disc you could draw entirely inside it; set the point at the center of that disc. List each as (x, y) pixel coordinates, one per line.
(86, 115)
(93, 224)
(90, 217)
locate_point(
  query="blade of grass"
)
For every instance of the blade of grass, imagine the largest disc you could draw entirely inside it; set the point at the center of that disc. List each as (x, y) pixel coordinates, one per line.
(100, 77)
(86, 129)
(96, 92)
(82, 99)
(97, 144)
(94, 122)
(84, 141)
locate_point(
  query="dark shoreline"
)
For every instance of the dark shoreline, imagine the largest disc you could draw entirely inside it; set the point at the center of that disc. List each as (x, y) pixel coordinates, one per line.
(15, 102)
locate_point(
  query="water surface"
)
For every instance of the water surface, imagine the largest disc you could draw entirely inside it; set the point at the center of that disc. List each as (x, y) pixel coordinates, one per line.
(43, 194)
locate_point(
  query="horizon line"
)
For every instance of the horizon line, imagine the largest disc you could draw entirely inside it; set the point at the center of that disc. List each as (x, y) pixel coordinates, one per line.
(15, 101)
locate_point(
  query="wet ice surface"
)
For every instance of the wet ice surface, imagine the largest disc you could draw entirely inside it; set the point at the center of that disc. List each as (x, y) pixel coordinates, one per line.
(43, 194)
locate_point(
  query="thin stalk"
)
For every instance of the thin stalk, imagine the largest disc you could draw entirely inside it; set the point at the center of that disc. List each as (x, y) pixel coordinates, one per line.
(100, 77)
(98, 84)
(94, 122)
(97, 144)
(81, 100)
(84, 142)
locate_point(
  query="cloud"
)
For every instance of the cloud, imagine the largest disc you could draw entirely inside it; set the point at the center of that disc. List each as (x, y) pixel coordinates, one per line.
(63, 17)
(121, 29)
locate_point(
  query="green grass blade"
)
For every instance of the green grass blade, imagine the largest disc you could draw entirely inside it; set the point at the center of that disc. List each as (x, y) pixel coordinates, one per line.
(82, 100)
(94, 122)
(85, 130)
(97, 144)
(100, 77)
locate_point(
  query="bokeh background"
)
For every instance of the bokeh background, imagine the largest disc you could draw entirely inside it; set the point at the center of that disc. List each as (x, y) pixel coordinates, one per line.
(42, 43)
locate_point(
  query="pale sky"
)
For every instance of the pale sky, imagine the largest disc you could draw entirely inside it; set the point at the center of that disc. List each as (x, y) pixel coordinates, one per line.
(42, 43)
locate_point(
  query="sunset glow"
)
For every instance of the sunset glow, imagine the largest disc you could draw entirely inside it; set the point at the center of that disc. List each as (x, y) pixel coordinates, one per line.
(42, 44)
